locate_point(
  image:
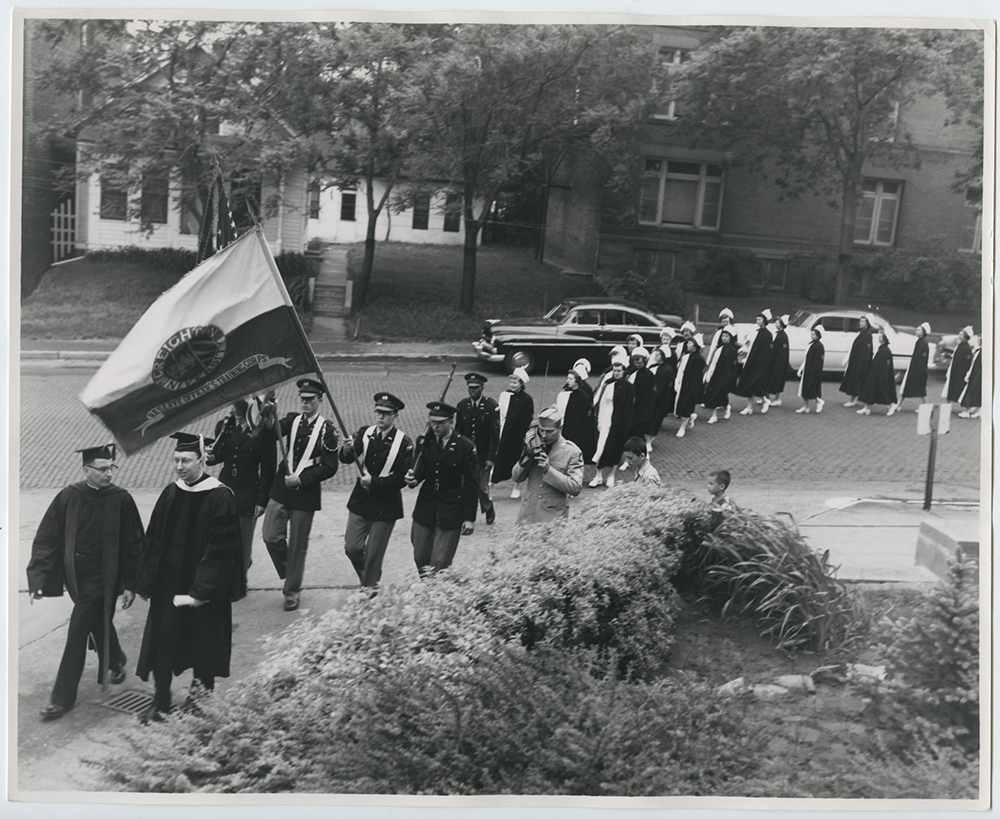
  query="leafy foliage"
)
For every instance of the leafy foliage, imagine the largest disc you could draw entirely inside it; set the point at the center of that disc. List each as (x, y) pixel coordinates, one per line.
(928, 279)
(726, 272)
(659, 294)
(933, 661)
(761, 567)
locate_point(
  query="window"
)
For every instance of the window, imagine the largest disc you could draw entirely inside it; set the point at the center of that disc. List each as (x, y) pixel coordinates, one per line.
(245, 196)
(972, 233)
(114, 194)
(314, 199)
(348, 206)
(588, 317)
(884, 129)
(775, 273)
(878, 212)
(669, 57)
(681, 194)
(453, 213)
(421, 211)
(654, 263)
(155, 198)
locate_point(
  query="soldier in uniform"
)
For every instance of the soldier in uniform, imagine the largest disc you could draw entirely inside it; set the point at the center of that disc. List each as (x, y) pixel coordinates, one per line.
(446, 505)
(311, 458)
(478, 418)
(376, 502)
(248, 464)
(86, 541)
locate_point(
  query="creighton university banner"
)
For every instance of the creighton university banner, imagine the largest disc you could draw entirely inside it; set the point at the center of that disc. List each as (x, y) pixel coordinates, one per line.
(227, 329)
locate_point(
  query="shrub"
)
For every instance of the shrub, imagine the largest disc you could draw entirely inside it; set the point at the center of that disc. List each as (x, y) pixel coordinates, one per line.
(928, 279)
(726, 272)
(932, 660)
(296, 265)
(761, 567)
(657, 294)
(170, 259)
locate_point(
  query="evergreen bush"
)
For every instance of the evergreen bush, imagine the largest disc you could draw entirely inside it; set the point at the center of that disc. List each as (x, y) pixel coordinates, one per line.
(726, 272)
(929, 279)
(657, 294)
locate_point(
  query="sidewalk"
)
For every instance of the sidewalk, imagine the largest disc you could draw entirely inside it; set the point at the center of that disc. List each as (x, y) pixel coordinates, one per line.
(870, 530)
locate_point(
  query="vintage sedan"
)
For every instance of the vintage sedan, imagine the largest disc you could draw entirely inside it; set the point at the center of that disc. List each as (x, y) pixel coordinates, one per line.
(575, 328)
(840, 328)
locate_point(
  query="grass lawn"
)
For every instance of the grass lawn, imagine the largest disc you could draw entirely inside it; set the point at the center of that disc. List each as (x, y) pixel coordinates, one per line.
(414, 290)
(92, 300)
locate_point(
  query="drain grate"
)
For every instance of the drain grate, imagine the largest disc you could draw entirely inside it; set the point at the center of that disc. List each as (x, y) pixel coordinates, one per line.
(129, 702)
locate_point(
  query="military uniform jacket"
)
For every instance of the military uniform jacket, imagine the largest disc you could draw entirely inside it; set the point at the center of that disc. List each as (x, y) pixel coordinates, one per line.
(321, 463)
(450, 489)
(383, 500)
(248, 464)
(482, 424)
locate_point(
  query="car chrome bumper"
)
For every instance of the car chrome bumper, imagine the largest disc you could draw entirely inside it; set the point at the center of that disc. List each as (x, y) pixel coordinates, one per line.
(487, 352)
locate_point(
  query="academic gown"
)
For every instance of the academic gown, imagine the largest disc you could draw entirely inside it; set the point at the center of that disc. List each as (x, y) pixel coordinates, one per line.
(192, 547)
(858, 363)
(811, 385)
(778, 371)
(663, 403)
(579, 425)
(613, 416)
(915, 380)
(954, 382)
(688, 384)
(644, 384)
(880, 382)
(513, 426)
(720, 375)
(752, 380)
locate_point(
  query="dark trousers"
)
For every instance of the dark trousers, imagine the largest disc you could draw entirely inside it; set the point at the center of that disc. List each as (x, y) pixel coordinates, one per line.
(365, 542)
(86, 621)
(286, 535)
(433, 549)
(485, 498)
(248, 523)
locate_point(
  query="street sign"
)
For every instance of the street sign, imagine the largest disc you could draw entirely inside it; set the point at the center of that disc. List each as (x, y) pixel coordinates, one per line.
(944, 419)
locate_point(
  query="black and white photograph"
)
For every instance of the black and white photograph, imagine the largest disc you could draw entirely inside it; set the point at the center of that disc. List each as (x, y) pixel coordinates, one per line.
(559, 410)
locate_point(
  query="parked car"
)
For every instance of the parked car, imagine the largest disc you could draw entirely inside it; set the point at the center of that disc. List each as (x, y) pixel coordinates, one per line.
(575, 328)
(840, 328)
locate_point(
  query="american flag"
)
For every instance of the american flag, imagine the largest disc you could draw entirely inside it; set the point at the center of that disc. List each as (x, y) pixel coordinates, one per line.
(217, 226)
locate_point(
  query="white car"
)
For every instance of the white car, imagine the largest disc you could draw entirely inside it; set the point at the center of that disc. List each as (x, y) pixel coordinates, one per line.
(840, 328)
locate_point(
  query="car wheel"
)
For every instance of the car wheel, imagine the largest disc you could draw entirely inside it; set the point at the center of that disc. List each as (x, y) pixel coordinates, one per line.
(520, 358)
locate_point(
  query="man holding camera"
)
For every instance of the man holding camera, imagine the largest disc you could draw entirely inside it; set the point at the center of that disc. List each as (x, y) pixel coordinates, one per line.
(552, 467)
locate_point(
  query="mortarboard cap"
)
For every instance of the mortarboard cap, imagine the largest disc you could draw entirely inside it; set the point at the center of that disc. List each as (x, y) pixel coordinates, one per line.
(105, 451)
(188, 442)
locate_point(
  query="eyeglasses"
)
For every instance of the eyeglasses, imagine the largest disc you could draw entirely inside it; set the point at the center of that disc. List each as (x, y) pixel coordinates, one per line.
(104, 470)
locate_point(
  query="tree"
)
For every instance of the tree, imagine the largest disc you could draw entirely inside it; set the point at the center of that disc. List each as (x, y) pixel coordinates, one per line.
(506, 102)
(816, 104)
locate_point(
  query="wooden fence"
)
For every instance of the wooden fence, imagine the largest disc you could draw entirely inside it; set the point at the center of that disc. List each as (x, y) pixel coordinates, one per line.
(63, 231)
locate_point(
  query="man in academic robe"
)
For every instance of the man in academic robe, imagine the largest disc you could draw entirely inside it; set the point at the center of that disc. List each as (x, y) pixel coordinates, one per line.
(551, 469)
(191, 569)
(447, 468)
(246, 453)
(310, 457)
(376, 502)
(86, 544)
(478, 418)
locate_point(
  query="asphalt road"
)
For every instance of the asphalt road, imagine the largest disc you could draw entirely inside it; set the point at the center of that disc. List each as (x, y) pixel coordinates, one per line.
(781, 446)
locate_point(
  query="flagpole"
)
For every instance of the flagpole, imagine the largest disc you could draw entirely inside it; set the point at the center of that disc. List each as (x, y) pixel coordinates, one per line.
(273, 267)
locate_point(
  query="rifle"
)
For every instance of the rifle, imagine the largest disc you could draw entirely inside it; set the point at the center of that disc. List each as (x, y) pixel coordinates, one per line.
(427, 429)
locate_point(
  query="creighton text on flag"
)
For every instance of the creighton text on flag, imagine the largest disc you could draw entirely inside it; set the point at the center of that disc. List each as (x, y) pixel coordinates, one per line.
(227, 329)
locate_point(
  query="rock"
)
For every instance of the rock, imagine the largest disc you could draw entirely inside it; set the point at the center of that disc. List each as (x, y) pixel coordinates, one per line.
(797, 682)
(769, 692)
(857, 671)
(732, 688)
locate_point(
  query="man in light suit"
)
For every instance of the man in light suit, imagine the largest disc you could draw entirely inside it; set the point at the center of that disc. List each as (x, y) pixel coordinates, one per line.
(552, 469)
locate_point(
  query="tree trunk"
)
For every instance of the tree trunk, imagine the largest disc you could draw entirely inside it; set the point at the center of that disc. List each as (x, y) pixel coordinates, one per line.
(848, 216)
(359, 295)
(467, 298)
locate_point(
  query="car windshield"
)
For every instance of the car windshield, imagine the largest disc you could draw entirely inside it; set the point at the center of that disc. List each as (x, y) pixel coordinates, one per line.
(558, 313)
(800, 318)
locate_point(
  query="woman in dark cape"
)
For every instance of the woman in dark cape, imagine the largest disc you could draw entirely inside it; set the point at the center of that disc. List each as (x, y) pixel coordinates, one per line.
(664, 368)
(915, 379)
(811, 372)
(688, 385)
(972, 395)
(644, 384)
(613, 406)
(778, 371)
(954, 381)
(517, 410)
(858, 362)
(577, 409)
(753, 379)
(880, 382)
(720, 375)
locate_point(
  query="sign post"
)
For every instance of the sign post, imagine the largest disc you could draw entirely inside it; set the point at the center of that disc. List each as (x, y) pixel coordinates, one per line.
(926, 426)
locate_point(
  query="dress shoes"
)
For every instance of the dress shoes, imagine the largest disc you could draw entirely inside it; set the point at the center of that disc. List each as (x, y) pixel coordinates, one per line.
(598, 481)
(151, 714)
(491, 516)
(748, 410)
(117, 676)
(291, 602)
(864, 411)
(819, 405)
(52, 711)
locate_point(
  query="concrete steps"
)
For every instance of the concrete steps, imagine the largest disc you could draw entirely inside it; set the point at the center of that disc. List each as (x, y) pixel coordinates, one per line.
(328, 299)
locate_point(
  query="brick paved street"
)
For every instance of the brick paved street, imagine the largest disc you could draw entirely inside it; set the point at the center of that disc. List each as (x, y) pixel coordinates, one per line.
(781, 447)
